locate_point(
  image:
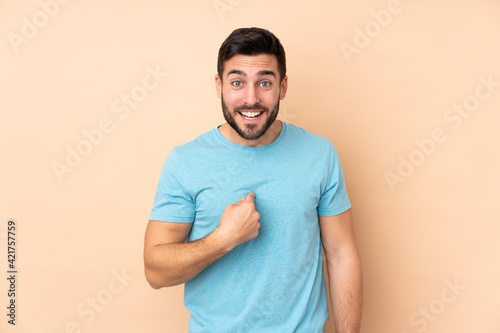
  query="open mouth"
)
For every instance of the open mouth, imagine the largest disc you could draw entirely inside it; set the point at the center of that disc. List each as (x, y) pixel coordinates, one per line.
(250, 115)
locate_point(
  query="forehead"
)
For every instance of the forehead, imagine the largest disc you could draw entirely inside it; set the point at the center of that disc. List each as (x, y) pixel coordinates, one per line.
(252, 64)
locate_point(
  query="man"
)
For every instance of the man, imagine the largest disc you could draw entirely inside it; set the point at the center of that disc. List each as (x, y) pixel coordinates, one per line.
(241, 212)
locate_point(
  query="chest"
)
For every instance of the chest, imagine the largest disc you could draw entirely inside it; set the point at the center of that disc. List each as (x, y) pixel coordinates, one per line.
(287, 192)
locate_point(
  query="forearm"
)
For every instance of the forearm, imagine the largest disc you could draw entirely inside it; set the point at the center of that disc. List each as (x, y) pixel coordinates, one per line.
(175, 263)
(169, 260)
(346, 293)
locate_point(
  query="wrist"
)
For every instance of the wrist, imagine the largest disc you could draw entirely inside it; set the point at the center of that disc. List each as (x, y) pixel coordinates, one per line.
(221, 240)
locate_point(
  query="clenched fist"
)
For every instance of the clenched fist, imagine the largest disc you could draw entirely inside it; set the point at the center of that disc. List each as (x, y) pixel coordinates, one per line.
(240, 222)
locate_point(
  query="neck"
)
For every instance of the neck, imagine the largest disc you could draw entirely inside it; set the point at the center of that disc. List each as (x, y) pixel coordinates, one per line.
(271, 134)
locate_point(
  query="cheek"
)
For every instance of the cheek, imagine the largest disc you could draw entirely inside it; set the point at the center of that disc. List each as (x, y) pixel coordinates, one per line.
(231, 97)
(272, 97)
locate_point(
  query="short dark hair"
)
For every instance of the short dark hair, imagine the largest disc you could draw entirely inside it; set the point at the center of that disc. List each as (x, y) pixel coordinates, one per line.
(251, 42)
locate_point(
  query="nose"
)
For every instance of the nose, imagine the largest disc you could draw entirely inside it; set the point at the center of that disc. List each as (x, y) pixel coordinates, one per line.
(251, 96)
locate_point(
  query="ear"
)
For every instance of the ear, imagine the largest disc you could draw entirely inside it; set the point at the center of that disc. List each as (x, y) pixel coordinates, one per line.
(284, 87)
(218, 85)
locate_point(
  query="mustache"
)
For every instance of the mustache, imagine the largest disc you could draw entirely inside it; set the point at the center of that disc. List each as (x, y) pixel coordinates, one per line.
(251, 107)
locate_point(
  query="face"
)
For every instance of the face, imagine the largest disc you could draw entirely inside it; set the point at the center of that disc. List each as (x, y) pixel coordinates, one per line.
(250, 129)
(250, 91)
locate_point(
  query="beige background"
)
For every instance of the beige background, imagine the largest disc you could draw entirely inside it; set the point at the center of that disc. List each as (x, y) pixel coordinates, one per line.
(428, 234)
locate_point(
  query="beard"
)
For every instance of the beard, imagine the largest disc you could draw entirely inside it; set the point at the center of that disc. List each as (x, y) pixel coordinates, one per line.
(250, 131)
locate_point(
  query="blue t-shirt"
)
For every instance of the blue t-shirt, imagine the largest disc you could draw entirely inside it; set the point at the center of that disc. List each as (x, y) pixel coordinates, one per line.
(273, 283)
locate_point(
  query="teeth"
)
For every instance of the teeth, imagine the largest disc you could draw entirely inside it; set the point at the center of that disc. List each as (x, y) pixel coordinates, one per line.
(251, 114)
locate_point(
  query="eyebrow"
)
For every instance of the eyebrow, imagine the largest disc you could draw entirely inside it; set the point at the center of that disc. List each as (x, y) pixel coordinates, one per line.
(260, 73)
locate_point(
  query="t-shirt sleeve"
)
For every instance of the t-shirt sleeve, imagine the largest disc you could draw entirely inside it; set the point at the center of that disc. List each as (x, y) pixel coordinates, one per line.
(334, 199)
(172, 203)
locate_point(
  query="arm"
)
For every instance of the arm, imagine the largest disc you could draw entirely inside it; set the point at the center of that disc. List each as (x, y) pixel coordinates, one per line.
(344, 271)
(170, 260)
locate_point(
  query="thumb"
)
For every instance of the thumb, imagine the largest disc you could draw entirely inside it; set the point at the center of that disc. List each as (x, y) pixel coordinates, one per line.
(251, 197)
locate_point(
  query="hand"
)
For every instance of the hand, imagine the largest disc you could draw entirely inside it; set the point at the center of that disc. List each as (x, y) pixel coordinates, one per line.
(240, 222)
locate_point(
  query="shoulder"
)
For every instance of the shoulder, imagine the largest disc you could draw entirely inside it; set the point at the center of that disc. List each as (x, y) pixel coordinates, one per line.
(190, 152)
(195, 146)
(300, 136)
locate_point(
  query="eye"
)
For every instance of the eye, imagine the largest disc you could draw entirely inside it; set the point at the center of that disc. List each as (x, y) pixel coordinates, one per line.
(265, 84)
(237, 83)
